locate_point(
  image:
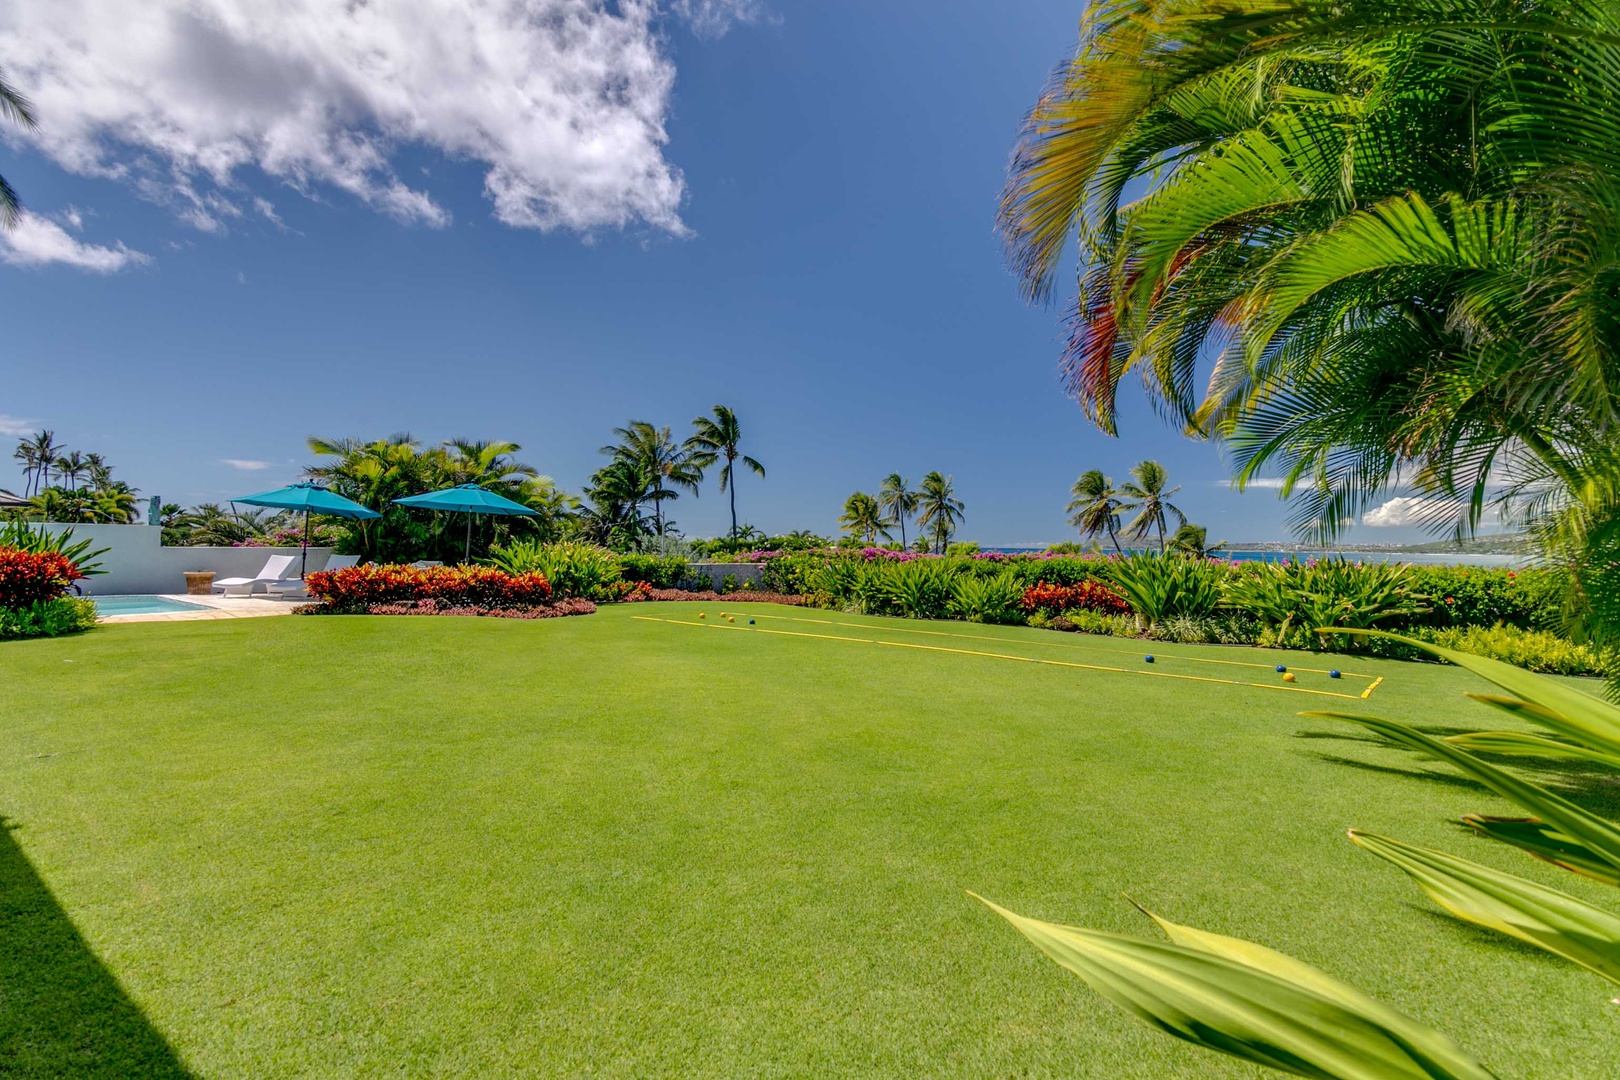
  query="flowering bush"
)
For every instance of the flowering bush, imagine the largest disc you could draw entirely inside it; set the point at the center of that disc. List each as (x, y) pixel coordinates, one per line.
(28, 577)
(1086, 596)
(554, 610)
(357, 588)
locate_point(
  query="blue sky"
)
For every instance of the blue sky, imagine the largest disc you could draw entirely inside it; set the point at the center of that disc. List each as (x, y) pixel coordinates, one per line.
(812, 245)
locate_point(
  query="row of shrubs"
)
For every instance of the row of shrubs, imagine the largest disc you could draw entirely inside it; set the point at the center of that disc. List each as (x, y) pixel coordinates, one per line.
(1177, 598)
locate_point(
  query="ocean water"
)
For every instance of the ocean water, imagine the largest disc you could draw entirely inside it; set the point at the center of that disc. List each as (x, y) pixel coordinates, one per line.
(1240, 555)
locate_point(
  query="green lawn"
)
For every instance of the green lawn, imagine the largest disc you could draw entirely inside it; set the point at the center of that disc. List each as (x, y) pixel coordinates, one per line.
(607, 846)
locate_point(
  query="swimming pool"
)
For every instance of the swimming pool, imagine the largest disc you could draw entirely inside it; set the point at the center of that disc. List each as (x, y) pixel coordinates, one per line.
(142, 605)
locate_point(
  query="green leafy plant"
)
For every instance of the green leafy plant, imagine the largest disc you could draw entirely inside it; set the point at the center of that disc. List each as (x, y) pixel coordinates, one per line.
(24, 537)
(922, 589)
(988, 599)
(47, 618)
(1322, 594)
(572, 568)
(1161, 585)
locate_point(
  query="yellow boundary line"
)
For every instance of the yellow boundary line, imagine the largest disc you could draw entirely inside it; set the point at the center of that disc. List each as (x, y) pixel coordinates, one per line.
(999, 656)
(1049, 644)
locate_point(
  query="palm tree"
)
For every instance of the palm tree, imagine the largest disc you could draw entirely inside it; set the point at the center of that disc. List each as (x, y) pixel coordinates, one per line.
(616, 493)
(899, 502)
(70, 467)
(665, 460)
(42, 448)
(17, 109)
(30, 461)
(1391, 238)
(863, 518)
(1148, 497)
(1095, 507)
(715, 439)
(99, 471)
(941, 510)
(1193, 540)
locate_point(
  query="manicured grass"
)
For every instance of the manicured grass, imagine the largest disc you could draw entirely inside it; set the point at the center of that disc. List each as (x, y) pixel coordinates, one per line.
(606, 846)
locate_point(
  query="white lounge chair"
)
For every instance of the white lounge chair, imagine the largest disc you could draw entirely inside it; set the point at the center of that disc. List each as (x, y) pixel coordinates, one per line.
(275, 568)
(293, 588)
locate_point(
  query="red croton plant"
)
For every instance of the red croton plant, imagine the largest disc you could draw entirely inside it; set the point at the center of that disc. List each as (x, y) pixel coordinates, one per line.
(1086, 596)
(356, 588)
(27, 577)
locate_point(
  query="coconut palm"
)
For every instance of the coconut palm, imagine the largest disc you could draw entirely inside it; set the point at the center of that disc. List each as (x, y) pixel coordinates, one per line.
(1151, 501)
(863, 518)
(99, 472)
(1094, 508)
(898, 501)
(667, 462)
(71, 467)
(714, 439)
(940, 511)
(17, 109)
(1193, 540)
(38, 452)
(1395, 240)
(30, 461)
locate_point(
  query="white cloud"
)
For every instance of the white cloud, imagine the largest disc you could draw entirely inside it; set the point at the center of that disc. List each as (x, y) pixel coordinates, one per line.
(1410, 510)
(246, 465)
(712, 18)
(17, 426)
(38, 241)
(562, 101)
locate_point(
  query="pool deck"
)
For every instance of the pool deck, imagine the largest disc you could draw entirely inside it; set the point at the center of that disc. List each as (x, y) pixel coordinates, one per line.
(219, 607)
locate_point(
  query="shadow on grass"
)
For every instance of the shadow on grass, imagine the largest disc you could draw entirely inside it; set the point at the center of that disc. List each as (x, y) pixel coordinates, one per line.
(62, 1013)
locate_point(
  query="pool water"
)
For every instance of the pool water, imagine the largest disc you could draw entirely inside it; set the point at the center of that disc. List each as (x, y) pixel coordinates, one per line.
(142, 605)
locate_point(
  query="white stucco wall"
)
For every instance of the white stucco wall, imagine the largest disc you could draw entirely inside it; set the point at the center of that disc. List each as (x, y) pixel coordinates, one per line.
(137, 562)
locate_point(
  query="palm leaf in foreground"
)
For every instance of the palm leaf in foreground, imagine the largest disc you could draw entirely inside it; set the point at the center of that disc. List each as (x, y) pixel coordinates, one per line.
(1574, 713)
(1601, 838)
(1252, 1003)
(1543, 917)
(1545, 843)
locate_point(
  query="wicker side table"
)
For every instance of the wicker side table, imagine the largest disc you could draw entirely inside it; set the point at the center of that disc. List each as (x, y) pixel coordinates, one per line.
(199, 582)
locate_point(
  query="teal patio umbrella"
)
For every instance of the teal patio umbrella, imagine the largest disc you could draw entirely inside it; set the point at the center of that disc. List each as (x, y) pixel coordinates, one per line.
(468, 499)
(311, 499)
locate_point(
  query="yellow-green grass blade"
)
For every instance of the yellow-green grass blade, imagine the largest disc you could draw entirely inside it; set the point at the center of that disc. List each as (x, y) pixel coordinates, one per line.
(1596, 718)
(1520, 744)
(1210, 997)
(1597, 835)
(1544, 842)
(1546, 918)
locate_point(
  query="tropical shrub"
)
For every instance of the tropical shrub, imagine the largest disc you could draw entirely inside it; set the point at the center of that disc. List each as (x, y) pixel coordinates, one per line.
(658, 571)
(28, 577)
(47, 618)
(1530, 599)
(571, 567)
(919, 590)
(1159, 586)
(1205, 629)
(354, 589)
(20, 535)
(1291, 599)
(1533, 650)
(987, 599)
(1088, 595)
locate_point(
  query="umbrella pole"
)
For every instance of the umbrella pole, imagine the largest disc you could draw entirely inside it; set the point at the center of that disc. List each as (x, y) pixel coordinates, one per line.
(466, 556)
(303, 556)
